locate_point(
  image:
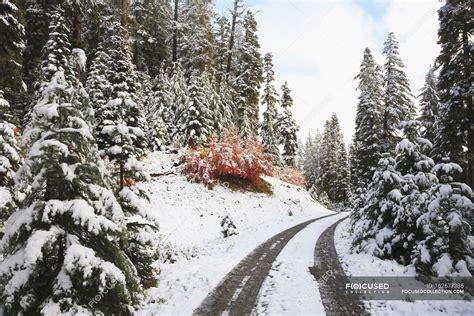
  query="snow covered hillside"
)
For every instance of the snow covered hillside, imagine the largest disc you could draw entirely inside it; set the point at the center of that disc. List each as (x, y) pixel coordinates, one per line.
(190, 218)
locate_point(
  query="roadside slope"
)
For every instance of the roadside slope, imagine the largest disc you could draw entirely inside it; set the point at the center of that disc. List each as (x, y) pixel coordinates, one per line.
(190, 218)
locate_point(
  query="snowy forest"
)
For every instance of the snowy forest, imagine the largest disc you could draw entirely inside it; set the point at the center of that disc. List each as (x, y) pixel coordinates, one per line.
(89, 89)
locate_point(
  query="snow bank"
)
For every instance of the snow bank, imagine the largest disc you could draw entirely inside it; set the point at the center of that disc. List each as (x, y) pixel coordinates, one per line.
(190, 216)
(360, 264)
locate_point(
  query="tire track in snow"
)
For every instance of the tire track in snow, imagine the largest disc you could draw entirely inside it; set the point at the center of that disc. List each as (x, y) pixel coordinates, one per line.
(238, 292)
(326, 262)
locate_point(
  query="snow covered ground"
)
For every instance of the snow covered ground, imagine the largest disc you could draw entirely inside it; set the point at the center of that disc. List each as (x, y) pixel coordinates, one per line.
(290, 289)
(366, 265)
(190, 217)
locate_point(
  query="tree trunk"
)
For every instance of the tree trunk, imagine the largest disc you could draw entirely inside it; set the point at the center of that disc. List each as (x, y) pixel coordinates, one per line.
(77, 26)
(235, 14)
(175, 33)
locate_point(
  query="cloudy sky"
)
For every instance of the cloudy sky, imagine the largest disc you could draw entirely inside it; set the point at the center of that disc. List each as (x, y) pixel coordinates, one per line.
(318, 45)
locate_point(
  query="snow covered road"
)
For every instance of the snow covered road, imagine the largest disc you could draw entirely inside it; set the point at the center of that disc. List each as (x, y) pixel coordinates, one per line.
(239, 292)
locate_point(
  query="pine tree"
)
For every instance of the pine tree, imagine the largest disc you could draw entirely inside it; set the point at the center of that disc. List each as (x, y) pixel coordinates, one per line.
(122, 141)
(312, 163)
(221, 42)
(157, 113)
(97, 85)
(455, 131)
(287, 128)
(152, 34)
(249, 77)
(398, 104)
(64, 238)
(334, 166)
(9, 161)
(368, 132)
(120, 120)
(373, 223)
(37, 34)
(197, 118)
(429, 103)
(415, 167)
(12, 34)
(196, 46)
(445, 251)
(57, 49)
(300, 156)
(221, 104)
(268, 131)
(179, 102)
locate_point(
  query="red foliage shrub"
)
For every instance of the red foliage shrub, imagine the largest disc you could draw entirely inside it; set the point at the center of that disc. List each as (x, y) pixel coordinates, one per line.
(290, 175)
(228, 155)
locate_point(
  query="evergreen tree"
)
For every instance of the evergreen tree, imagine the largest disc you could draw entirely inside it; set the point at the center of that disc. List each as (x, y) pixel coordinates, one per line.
(270, 116)
(249, 77)
(334, 167)
(287, 128)
(415, 167)
(37, 24)
(12, 34)
(196, 46)
(367, 137)
(445, 251)
(373, 223)
(9, 161)
(157, 112)
(221, 104)
(179, 103)
(120, 120)
(398, 104)
(429, 103)
(312, 163)
(455, 130)
(221, 42)
(64, 238)
(300, 156)
(57, 49)
(197, 119)
(97, 85)
(152, 34)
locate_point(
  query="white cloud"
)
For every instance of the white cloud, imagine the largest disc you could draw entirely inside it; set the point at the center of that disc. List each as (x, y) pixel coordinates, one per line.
(318, 46)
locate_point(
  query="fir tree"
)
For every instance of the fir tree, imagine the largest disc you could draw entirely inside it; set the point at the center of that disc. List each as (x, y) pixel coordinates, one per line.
(221, 104)
(415, 167)
(57, 49)
(179, 102)
(367, 136)
(249, 77)
(9, 161)
(152, 29)
(334, 167)
(268, 131)
(455, 131)
(373, 223)
(197, 119)
(120, 120)
(221, 42)
(429, 103)
(398, 104)
(64, 239)
(196, 46)
(445, 251)
(12, 34)
(287, 128)
(157, 112)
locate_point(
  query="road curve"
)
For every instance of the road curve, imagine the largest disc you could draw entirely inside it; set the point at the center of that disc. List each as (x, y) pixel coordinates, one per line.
(328, 272)
(238, 292)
